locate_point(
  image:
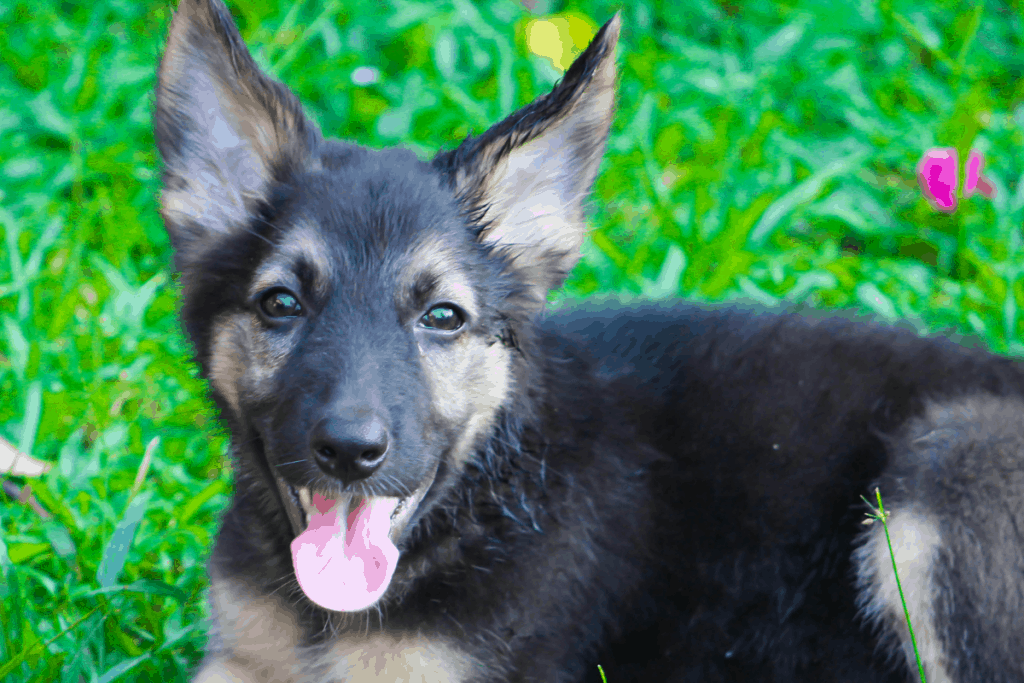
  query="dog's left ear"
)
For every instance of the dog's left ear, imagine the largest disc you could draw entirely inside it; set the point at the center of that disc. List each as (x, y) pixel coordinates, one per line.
(524, 180)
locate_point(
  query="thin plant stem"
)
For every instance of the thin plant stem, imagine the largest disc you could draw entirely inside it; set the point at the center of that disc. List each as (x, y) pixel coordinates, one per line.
(880, 514)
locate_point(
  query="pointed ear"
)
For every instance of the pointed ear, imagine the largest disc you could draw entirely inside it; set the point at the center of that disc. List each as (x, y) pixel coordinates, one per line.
(524, 180)
(225, 130)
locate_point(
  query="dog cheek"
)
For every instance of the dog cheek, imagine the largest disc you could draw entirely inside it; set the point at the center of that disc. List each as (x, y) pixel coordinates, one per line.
(270, 354)
(244, 363)
(486, 386)
(444, 373)
(468, 377)
(490, 378)
(227, 359)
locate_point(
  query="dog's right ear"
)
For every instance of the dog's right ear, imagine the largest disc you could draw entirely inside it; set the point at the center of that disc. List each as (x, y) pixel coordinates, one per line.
(225, 130)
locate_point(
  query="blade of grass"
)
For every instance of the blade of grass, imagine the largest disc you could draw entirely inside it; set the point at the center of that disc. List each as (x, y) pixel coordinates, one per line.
(10, 666)
(880, 514)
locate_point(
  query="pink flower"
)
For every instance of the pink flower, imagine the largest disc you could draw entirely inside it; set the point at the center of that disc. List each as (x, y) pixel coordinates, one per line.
(974, 180)
(937, 173)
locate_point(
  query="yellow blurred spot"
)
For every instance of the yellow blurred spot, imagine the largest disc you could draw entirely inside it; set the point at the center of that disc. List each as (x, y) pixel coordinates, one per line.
(542, 38)
(560, 39)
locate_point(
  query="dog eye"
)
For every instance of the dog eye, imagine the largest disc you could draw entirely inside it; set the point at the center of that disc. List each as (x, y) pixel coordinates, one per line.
(280, 303)
(445, 318)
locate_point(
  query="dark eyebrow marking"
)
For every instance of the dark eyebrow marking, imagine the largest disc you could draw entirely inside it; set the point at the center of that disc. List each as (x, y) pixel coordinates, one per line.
(306, 272)
(422, 287)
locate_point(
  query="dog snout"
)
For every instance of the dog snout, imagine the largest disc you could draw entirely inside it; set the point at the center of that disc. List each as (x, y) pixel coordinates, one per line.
(350, 447)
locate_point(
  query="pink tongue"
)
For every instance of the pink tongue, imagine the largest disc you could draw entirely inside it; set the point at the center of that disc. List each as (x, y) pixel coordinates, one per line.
(346, 571)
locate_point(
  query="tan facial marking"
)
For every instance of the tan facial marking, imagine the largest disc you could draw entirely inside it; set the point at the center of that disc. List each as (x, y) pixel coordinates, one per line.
(228, 354)
(452, 285)
(468, 381)
(302, 242)
(243, 358)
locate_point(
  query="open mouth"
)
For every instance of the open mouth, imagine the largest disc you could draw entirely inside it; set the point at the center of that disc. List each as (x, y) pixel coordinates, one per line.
(344, 547)
(301, 506)
(302, 498)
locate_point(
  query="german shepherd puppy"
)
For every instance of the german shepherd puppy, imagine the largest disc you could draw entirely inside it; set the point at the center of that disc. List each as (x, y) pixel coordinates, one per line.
(434, 481)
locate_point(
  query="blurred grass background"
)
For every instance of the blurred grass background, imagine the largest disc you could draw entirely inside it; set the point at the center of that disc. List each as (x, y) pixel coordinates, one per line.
(762, 150)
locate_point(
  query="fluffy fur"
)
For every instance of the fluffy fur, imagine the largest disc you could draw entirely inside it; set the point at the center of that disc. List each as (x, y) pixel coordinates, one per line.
(672, 491)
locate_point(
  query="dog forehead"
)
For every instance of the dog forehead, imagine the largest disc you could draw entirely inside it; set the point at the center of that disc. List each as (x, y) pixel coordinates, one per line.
(377, 201)
(383, 181)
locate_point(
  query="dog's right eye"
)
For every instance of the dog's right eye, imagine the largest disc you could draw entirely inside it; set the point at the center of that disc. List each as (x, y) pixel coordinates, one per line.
(280, 303)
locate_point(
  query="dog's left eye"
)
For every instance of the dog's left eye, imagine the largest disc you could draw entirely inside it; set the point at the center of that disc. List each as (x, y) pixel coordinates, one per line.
(280, 304)
(445, 318)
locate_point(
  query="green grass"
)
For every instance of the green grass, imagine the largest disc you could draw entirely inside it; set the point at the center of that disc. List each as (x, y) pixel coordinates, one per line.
(761, 150)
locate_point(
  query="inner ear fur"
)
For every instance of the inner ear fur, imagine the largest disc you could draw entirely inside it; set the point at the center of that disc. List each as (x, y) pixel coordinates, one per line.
(524, 181)
(225, 130)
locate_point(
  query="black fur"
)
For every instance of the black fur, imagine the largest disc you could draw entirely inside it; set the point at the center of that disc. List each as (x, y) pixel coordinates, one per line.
(673, 492)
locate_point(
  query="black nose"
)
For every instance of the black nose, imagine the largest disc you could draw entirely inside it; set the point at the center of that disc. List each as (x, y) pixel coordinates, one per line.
(350, 449)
